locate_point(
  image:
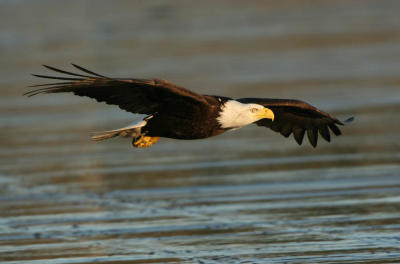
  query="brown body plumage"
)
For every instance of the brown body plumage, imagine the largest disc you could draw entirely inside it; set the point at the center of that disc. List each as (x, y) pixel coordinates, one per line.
(176, 112)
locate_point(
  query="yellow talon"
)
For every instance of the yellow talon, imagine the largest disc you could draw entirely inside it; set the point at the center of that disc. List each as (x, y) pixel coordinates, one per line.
(145, 142)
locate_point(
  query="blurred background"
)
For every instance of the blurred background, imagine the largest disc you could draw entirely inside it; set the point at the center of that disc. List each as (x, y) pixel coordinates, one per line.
(248, 196)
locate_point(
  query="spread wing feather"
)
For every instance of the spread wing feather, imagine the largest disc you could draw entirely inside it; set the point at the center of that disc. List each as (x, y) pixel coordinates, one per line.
(297, 117)
(143, 96)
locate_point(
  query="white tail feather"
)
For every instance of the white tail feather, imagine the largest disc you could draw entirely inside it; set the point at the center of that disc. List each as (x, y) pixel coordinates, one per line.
(104, 135)
(132, 130)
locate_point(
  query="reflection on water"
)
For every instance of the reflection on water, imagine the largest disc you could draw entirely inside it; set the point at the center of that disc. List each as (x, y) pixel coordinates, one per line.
(244, 197)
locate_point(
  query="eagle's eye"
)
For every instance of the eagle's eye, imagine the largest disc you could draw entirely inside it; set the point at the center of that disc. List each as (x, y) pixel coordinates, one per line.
(253, 110)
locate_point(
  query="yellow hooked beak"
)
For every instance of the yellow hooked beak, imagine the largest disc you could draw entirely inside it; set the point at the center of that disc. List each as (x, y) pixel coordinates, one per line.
(265, 113)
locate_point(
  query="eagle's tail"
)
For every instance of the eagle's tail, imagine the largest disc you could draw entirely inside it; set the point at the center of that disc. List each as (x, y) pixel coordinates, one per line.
(98, 136)
(133, 131)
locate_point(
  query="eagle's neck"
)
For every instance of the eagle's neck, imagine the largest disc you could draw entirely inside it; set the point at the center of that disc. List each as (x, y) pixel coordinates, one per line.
(233, 115)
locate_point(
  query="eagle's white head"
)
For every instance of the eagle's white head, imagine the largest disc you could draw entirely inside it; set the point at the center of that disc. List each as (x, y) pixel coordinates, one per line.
(235, 115)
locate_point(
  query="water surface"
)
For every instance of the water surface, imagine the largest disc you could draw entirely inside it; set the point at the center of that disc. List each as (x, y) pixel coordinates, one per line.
(248, 196)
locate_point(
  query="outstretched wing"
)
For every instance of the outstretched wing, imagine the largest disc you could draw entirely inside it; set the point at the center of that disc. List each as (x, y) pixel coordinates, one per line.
(143, 96)
(297, 117)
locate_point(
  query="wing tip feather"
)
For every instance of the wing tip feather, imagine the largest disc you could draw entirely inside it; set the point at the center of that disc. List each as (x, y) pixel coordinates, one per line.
(298, 134)
(312, 135)
(88, 71)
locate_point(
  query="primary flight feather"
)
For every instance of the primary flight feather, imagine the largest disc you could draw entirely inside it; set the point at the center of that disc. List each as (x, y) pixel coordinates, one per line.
(176, 112)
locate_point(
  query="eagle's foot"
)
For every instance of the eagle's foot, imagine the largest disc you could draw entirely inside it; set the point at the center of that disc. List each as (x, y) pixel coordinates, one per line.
(144, 141)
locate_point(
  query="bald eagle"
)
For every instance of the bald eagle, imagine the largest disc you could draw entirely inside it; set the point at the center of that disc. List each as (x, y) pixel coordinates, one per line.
(175, 112)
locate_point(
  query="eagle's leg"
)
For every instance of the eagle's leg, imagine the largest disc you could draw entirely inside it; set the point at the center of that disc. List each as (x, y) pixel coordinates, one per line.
(144, 141)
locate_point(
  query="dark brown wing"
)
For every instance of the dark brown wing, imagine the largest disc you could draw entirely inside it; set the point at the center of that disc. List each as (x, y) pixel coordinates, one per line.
(143, 96)
(297, 117)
